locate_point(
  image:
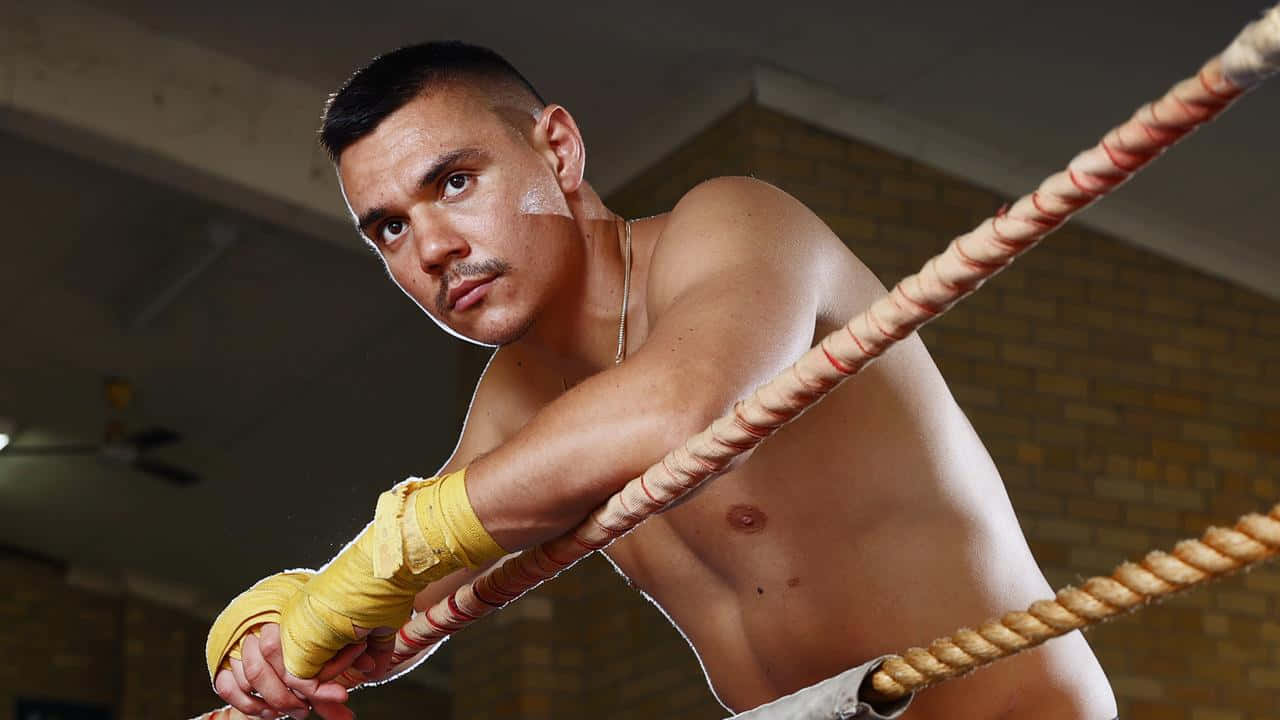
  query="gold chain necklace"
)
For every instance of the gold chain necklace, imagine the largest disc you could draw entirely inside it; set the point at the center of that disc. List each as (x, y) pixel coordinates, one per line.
(626, 293)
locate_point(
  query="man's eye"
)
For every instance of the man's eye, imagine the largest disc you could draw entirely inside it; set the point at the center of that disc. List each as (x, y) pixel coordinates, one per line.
(456, 184)
(391, 231)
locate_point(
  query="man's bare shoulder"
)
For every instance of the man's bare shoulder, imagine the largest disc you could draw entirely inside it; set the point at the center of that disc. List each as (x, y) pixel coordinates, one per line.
(738, 210)
(739, 226)
(510, 391)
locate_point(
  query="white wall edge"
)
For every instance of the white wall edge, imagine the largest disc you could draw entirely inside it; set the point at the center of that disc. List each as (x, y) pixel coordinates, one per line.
(698, 109)
(967, 159)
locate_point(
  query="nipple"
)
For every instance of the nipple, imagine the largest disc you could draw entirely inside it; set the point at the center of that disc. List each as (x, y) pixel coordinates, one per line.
(746, 519)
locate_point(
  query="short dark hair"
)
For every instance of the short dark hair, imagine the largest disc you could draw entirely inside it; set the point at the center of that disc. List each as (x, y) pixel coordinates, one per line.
(390, 81)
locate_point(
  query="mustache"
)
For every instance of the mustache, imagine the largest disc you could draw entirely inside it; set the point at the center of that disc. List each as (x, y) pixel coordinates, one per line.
(464, 271)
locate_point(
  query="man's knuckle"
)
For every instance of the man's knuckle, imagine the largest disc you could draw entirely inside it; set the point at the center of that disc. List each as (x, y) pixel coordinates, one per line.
(253, 667)
(268, 643)
(306, 687)
(222, 684)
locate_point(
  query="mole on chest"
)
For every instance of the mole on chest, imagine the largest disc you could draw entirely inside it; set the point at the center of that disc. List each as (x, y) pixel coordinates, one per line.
(746, 519)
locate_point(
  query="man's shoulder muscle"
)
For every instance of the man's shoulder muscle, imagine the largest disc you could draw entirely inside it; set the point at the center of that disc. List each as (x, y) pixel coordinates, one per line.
(736, 226)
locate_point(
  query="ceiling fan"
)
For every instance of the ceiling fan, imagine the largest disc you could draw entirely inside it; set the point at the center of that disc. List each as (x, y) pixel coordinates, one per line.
(129, 449)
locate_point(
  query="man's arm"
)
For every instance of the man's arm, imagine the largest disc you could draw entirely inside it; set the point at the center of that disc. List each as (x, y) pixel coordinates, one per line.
(732, 298)
(498, 408)
(732, 302)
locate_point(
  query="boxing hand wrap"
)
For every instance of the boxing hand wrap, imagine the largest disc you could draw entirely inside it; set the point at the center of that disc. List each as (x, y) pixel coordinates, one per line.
(422, 531)
(260, 604)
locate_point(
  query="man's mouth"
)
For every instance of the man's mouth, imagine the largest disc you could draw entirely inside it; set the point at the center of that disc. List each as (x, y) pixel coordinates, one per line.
(469, 292)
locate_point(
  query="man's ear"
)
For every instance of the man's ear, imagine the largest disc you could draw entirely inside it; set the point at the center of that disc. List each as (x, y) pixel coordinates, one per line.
(557, 138)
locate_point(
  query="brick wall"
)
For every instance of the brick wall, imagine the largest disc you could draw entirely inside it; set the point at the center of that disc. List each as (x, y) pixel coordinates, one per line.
(67, 644)
(51, 645)
(140, 661)
(1128, 401)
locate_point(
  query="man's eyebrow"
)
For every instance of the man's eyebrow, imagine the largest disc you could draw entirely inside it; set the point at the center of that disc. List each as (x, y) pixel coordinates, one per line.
(369, 218)
(447, 161)
(438, 167)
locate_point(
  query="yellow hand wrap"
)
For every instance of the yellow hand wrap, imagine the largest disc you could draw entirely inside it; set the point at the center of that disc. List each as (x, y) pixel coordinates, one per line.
(260, 604)
(422, 531)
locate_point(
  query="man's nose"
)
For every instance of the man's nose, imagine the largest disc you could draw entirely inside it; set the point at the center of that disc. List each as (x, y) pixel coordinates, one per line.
(438, 247)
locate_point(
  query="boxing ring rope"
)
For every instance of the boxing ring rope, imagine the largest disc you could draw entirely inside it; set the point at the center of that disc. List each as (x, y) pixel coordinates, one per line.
(1220, 551)
(968, 261)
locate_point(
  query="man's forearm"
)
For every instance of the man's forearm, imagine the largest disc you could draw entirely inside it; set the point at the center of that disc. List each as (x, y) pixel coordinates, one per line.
(579, 450)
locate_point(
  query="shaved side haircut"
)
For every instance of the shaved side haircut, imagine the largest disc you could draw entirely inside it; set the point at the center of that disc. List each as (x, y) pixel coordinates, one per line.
(390, 81)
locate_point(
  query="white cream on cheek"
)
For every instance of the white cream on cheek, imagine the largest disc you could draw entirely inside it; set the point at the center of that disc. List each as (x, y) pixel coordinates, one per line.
(541, 200)
(534, 201)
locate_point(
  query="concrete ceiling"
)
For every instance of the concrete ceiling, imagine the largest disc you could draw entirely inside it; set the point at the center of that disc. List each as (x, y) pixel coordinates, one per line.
(1035, 81)
(304, 383)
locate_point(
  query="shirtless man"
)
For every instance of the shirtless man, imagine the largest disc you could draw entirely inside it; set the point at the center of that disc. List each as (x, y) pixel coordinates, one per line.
(873, 522)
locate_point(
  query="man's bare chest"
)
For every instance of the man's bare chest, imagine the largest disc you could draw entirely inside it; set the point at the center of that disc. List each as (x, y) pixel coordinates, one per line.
(801, 494)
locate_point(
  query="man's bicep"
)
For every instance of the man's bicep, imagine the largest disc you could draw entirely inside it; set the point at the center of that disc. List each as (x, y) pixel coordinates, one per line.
(733, 297)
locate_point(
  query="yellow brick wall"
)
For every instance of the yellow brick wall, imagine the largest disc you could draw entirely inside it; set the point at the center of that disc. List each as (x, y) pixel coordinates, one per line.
(67, 644)
(54, 646)
(1128, 401)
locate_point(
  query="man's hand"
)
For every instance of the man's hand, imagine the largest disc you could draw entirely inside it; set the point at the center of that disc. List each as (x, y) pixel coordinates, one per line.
(259, 686)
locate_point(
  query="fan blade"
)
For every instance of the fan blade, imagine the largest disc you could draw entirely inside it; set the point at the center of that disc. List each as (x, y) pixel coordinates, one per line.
(154, 437)
(50, 450)
(165, 471)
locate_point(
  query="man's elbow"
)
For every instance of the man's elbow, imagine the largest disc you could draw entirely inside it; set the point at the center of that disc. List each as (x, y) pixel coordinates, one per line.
(690, 417)
(663, 426)
(641, 442)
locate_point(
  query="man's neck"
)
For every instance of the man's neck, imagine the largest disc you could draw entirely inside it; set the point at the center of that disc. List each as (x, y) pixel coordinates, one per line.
(577, 335)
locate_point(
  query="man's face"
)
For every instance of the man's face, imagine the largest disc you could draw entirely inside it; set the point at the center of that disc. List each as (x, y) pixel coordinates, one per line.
(467, 216)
